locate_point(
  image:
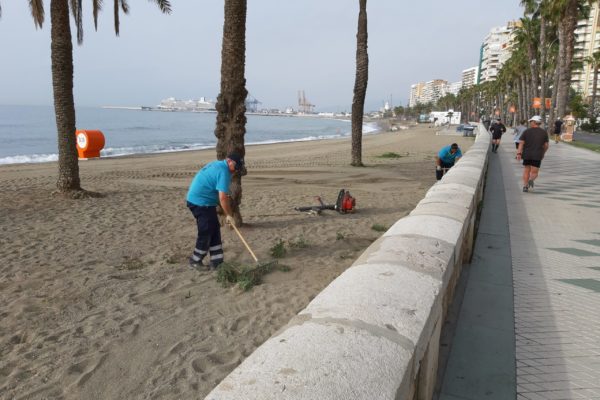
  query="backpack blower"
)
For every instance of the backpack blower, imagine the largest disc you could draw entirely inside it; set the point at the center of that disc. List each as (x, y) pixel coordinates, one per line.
(345, 203)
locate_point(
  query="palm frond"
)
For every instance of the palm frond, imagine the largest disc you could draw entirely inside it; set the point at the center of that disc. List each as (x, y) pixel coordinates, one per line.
(164, 5)
(37, 12)
(76, 9)
(96, 7)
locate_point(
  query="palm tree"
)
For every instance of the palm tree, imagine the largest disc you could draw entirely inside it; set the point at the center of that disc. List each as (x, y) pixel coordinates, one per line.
(594, 61)
(231, 108)
(360, 84)
(62, 78)
(567, 12)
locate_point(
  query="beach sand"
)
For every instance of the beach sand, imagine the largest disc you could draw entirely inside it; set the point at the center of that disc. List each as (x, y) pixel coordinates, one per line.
(97, 300)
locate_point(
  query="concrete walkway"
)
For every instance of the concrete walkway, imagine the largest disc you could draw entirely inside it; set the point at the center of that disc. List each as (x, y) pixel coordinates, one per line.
(548, 242)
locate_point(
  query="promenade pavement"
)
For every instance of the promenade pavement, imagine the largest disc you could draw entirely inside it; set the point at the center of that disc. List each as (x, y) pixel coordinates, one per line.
(529, 325)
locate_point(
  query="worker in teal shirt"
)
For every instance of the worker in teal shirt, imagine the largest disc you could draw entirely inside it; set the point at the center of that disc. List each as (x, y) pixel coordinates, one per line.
(446, 158)
(209, 188)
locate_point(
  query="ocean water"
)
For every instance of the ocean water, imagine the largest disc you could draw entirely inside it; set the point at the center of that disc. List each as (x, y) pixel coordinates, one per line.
(28, 133)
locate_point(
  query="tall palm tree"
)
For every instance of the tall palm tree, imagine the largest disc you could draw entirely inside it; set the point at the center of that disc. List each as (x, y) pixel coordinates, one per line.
(231, 108)
(360, 84)
(594, 61)
(61, 47)
(567, 12)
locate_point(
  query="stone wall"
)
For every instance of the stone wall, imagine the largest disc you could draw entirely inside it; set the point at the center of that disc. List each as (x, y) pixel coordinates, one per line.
(374, 332)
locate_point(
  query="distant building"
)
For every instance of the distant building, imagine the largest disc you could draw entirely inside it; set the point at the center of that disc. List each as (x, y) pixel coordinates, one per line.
(470, 77)
(433, 90)
(496, 50)
(587, 42)
(416, 92)
(454, 87)
(428, 92)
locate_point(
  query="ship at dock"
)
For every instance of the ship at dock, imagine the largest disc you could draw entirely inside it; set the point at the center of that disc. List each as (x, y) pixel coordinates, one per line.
(172, 104)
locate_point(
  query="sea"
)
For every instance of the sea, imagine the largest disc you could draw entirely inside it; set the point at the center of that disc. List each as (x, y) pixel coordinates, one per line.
(28, 133)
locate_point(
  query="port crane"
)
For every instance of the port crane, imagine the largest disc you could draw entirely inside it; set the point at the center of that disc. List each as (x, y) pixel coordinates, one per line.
(304, 105)
(252, 103)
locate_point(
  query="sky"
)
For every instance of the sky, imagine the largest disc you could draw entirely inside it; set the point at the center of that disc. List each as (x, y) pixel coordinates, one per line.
(305, 45)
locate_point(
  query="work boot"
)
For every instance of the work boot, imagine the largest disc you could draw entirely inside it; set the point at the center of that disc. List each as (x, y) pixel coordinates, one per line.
(195, 265)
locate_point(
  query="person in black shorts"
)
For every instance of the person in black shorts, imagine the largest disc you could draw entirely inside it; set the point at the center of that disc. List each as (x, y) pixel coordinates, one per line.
(497, 130)
(532, 148)
(558, 125)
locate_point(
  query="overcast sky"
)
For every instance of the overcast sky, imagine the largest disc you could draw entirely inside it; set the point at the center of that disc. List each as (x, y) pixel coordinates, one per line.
(291, 45)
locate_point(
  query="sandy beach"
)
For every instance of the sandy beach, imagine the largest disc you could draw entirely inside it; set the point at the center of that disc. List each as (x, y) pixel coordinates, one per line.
(97, 300)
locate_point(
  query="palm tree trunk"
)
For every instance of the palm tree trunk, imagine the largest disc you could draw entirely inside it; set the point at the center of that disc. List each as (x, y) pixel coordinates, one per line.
(231, 107)
(525, 97)
(64, 107)
(542, 67)
(360, 84)
(531, 50)
(594, 89)
(555, 90)
(566, 37)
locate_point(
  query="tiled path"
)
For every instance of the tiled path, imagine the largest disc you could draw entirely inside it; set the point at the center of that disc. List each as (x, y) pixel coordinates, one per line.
(554, 236)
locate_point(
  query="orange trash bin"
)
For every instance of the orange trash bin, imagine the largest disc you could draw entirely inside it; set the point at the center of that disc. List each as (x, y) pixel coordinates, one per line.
(89, 143)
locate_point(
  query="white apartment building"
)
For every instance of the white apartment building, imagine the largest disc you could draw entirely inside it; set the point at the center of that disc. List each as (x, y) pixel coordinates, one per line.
(427, 92)
(433, 90)
(496, 50)
(587, 42)
(416, 92)
(454, 87)
(470, 77)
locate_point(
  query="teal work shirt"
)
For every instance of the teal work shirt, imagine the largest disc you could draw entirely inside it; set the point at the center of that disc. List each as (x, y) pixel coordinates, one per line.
(447, 157)
(208, 182)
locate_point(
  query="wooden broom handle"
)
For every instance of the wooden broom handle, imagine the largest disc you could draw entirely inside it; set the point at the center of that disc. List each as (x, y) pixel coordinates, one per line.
(243, 241)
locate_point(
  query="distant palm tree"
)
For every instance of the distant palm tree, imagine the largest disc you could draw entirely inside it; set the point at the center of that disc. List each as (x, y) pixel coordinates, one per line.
(360, 84)
(231, 107)
(594, 61)
(62, 77)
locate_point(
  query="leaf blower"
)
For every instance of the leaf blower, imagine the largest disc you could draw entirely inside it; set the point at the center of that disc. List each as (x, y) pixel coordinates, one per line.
(345, 204)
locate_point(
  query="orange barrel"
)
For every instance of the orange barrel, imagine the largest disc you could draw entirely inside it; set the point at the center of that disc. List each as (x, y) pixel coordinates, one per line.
(89, 143)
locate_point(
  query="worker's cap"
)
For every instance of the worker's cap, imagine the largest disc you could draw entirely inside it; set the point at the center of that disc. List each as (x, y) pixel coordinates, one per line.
(453, 146)
(239, 160)
(536, 118)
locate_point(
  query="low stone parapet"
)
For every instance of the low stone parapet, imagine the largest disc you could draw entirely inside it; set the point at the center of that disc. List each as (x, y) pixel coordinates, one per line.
(373, 333)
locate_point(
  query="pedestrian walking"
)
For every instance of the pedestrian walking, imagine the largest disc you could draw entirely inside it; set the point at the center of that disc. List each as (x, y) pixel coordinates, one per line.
(209, 188)
(532, 148)
(518, 131)
(557, 130)
(497, 129)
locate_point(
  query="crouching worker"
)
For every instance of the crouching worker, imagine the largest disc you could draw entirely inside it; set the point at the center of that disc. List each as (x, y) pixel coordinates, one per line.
(210, 187)
(446, 159)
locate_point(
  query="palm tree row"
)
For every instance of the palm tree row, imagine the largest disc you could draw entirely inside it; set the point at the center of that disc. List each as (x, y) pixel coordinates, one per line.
(540, 66)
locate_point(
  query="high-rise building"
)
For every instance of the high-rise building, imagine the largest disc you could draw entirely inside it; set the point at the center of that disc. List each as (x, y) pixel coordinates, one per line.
(587, 42)
(470, 77)
(496, 50)
(433, 90)
(416, 92)
(454, 87)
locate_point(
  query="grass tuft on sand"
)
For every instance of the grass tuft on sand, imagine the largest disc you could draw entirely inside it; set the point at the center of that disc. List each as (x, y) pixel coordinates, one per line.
(245, 276)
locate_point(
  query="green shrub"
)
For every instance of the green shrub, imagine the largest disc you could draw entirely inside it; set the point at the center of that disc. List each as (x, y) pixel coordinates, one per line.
(379, 228)
(300, 243)
(390, 154)
(278, 250)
